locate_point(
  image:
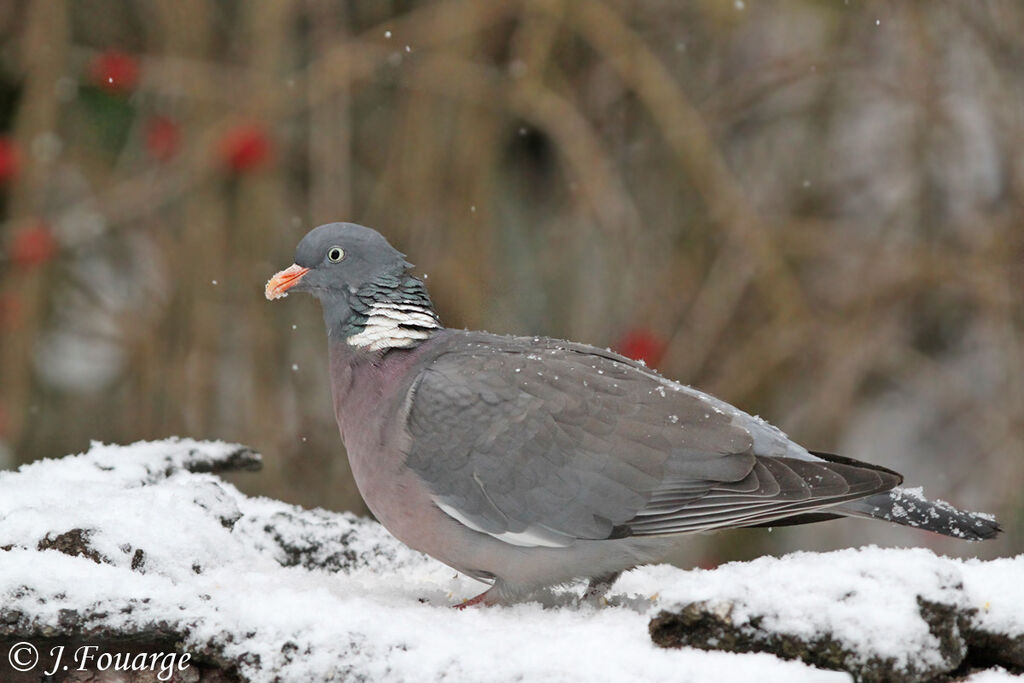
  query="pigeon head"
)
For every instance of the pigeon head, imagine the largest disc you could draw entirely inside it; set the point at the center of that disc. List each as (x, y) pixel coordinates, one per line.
(367, 295)
(337, 259)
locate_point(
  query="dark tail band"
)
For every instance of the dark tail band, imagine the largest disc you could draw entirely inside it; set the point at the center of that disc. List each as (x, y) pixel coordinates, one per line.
(909, 507)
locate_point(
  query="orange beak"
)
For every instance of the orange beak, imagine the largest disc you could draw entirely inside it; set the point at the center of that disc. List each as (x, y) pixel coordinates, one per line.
(279, 285)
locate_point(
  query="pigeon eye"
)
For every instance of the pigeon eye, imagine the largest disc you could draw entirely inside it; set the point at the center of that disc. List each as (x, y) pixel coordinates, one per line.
(335, 254)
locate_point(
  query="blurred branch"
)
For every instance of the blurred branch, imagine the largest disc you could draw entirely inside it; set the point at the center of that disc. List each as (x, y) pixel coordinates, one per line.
(42, 58)
(697, 154)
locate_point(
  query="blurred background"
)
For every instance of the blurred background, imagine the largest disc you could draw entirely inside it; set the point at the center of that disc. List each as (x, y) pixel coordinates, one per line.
(810, 209)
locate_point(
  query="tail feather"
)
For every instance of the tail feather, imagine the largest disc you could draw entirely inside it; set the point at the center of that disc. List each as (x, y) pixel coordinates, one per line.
(910, 508)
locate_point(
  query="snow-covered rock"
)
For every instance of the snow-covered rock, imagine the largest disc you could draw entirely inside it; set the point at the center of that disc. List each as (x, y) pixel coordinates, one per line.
(885, 615)
(143, 546)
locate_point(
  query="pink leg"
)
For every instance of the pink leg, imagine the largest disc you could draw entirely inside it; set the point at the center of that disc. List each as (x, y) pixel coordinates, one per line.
(481, 599)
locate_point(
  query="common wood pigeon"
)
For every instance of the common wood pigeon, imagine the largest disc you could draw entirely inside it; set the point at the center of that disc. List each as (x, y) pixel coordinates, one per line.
(528, 462)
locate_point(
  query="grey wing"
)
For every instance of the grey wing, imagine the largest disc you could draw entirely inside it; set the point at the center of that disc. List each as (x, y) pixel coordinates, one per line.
(543, 448)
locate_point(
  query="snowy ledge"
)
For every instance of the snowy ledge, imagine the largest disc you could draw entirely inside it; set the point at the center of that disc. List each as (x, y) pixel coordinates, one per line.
(143, 549)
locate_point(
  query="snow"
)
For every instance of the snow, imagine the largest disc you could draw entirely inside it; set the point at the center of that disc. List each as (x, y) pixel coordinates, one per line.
(996, 675)
(298, 594)
(855, 595)
(996, 589)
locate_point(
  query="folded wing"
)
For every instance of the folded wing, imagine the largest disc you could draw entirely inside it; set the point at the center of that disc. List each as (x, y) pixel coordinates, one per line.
(542, 444)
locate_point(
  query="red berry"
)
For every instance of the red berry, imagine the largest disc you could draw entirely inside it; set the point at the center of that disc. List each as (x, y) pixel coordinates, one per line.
(163, 137)
(10, 159)
(115, 72)
(643, 345)
(33, 246)
(245, 148)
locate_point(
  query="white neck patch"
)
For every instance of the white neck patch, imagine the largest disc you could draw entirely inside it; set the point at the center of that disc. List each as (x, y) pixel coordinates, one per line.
(395, 326)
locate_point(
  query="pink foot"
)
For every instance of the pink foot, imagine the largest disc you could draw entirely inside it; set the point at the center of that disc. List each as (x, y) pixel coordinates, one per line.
(478, 600)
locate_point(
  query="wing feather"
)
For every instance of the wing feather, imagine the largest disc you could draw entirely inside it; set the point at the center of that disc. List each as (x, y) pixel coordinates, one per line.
(543, 443)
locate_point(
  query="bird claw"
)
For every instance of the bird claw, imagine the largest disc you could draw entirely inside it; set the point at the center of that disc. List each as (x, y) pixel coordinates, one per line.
(478, 600)
(597, 589)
